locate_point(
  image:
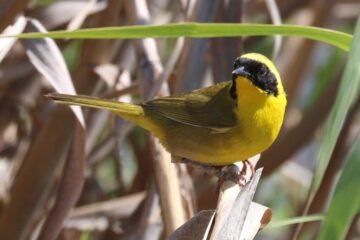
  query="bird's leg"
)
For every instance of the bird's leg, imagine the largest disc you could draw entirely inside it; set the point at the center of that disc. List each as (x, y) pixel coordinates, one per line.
(251, 167)
(230, 172)
(208, 169)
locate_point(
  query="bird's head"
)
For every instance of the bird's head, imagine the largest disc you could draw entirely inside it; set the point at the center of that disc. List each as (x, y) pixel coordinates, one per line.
(258, 70)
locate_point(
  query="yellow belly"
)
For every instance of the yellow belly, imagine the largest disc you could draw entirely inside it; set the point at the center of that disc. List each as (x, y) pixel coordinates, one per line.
(251, 137)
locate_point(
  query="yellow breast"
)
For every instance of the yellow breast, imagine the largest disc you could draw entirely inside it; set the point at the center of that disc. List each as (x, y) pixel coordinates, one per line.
(260, 115)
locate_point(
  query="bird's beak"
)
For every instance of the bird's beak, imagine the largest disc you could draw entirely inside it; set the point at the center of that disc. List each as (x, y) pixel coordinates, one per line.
(240, 71)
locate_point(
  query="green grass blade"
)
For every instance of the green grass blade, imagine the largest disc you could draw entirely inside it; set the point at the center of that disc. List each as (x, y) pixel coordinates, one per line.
(345, 203)
(324, 75)
(346, 200)
(296, 220)
(203, 30)
(346, 94)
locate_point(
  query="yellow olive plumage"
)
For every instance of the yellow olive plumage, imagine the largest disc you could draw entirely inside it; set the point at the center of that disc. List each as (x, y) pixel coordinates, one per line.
(217, 125)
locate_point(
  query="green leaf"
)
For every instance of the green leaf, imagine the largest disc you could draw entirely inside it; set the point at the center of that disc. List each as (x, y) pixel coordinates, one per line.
(347, 92)
(296, 220)
(203, 30)
(345, 203)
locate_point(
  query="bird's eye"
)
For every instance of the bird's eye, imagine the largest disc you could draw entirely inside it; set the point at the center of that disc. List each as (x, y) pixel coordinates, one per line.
(236, 64)
(262, 72)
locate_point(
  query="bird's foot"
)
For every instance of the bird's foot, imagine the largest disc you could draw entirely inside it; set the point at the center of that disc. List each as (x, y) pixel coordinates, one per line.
(237, 174)
(234, 174)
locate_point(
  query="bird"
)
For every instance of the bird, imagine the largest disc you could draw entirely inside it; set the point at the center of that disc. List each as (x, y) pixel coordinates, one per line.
(218, 125)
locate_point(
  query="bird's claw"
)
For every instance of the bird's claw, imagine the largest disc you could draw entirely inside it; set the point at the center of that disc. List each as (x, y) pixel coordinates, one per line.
(236, 173)
(232, 172)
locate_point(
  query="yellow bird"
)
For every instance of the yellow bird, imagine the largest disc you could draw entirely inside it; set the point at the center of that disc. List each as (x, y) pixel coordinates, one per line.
(217, 125)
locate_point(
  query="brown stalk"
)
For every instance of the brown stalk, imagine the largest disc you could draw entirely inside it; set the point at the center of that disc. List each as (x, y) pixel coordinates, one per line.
(9, 9)
(193, 63)
(354, 230)
(286, 7)
(70, 187)
(133, 88)
(142, 153)
(95, 52)
(166, 178)
(125, 59)
(35, 178)
(121, 207)
(149, 226)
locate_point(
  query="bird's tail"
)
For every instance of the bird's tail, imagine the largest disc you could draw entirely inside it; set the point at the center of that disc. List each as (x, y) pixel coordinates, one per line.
(131, 112)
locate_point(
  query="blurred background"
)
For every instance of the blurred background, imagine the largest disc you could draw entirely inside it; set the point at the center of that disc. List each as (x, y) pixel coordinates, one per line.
(112, 173)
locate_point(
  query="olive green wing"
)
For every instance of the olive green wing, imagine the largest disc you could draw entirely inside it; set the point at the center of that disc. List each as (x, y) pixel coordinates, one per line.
(210, 107)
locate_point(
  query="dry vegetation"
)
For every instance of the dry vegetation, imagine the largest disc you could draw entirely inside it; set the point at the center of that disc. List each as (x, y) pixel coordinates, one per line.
(114, 181)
